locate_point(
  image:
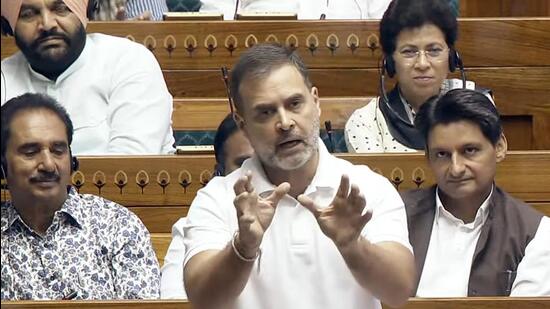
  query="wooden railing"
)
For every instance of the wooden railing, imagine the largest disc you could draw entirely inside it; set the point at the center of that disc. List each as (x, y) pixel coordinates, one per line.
(414, 303)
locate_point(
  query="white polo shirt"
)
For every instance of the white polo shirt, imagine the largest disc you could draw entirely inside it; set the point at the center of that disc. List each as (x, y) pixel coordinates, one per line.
(300, 266)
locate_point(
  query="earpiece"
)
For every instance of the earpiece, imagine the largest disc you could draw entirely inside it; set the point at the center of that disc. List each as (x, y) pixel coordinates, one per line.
(219, 170)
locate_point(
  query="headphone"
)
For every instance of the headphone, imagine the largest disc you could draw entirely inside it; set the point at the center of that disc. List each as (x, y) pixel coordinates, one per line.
(388, 67)
(4, 165)
(219, 169)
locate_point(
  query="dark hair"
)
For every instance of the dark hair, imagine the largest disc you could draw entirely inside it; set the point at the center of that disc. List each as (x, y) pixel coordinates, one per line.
(31, 101)
(403, 14)
(5, 27)
(227, 127)
(260, 60)
(457, 105)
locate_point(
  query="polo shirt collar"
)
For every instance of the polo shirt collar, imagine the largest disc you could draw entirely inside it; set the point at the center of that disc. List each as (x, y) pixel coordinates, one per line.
(327, 175)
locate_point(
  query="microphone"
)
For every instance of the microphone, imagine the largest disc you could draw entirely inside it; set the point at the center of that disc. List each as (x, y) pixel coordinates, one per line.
(328, 127)
(225, 78)
(323, 16)
(236, 10)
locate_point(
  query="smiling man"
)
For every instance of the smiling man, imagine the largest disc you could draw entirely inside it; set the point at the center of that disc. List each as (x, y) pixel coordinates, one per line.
(471, 238)
(294, 227)
(58, 244)
(113, 88)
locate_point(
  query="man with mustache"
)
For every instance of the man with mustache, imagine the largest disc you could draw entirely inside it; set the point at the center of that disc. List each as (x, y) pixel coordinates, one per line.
(470, 237)
(56, 243)
(113, 88)
(294, 226)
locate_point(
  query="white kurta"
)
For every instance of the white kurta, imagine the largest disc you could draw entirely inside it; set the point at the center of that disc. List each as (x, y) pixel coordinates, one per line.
(114, 92)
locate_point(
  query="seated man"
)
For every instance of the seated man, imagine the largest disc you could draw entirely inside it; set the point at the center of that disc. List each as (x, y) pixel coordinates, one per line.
(231, 148)
(290, 228)
(129, 9)
(471, 238)
(58, 244)
(112, 87)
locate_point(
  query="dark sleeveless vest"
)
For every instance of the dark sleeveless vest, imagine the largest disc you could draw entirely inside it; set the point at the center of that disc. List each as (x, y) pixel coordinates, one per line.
(510, 226)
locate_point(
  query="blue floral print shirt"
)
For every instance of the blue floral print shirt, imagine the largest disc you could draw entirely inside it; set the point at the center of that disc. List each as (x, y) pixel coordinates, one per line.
(94, 249)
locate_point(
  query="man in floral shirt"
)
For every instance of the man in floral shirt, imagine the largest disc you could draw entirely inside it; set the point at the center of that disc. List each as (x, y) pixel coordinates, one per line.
(56, 243)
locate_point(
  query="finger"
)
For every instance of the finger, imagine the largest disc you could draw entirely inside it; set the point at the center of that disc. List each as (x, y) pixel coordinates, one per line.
(240, 185)
(356, 199)
(308, 203)
(366, 217)
(278, 193)
(248, 185)
(344, 187)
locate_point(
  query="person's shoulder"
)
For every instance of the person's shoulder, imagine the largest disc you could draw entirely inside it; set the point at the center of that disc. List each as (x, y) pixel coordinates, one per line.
(412, 197)
(367, 109)
(114, 44)
(520, 208)
(108, 210)
(13, 62)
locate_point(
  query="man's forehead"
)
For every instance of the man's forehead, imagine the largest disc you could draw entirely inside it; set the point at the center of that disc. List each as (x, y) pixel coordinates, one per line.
(284, 77)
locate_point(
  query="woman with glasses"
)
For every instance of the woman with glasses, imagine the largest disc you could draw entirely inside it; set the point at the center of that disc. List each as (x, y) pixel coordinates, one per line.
(418, 40)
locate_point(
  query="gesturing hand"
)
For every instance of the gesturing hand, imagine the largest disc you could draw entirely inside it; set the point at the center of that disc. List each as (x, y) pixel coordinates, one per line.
(343, 220)
(254, 213)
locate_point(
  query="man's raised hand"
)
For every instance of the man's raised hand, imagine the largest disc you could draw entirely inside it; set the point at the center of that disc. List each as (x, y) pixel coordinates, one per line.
(254, 213)
(343, 220)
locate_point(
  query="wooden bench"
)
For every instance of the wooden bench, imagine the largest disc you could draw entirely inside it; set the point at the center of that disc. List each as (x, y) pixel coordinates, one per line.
(520, 121)
(414, 303)
(508, 55)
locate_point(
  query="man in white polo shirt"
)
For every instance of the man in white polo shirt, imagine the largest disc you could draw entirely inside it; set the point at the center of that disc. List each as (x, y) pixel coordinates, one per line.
(294, 227)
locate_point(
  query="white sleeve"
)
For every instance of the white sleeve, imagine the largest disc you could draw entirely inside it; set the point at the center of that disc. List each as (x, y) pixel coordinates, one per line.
(389, 219)
(140, 106)
(533, 273)
(226, 7)
(211, 221)
(171, 280)
(362, 130)
(376, 8)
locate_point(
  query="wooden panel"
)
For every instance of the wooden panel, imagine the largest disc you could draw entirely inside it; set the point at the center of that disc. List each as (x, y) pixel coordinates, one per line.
(206, 114)
(161, 242)
(414, 303)
(528, 85)
(543, 207)
(160, 219)
(323, 44)
(530, 170)
(504, 8)
(518, 131)
(478, 303)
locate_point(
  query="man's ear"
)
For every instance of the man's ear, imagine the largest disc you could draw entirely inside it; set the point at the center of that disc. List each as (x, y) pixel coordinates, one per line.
(501, 147)
(315, 93)
(238, 120)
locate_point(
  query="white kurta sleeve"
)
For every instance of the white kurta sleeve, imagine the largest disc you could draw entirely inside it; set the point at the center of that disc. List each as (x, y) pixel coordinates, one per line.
(171, 281)
(140, 106)
(533, 273)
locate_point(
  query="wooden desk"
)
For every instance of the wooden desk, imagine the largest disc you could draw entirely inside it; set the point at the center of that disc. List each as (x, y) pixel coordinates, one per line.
(414, 303)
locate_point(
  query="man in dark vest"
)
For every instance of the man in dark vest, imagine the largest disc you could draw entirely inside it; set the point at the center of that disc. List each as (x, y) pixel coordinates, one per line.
(471, 238)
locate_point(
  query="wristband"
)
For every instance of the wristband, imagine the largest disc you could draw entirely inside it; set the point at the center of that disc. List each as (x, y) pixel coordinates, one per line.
(239, 255)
